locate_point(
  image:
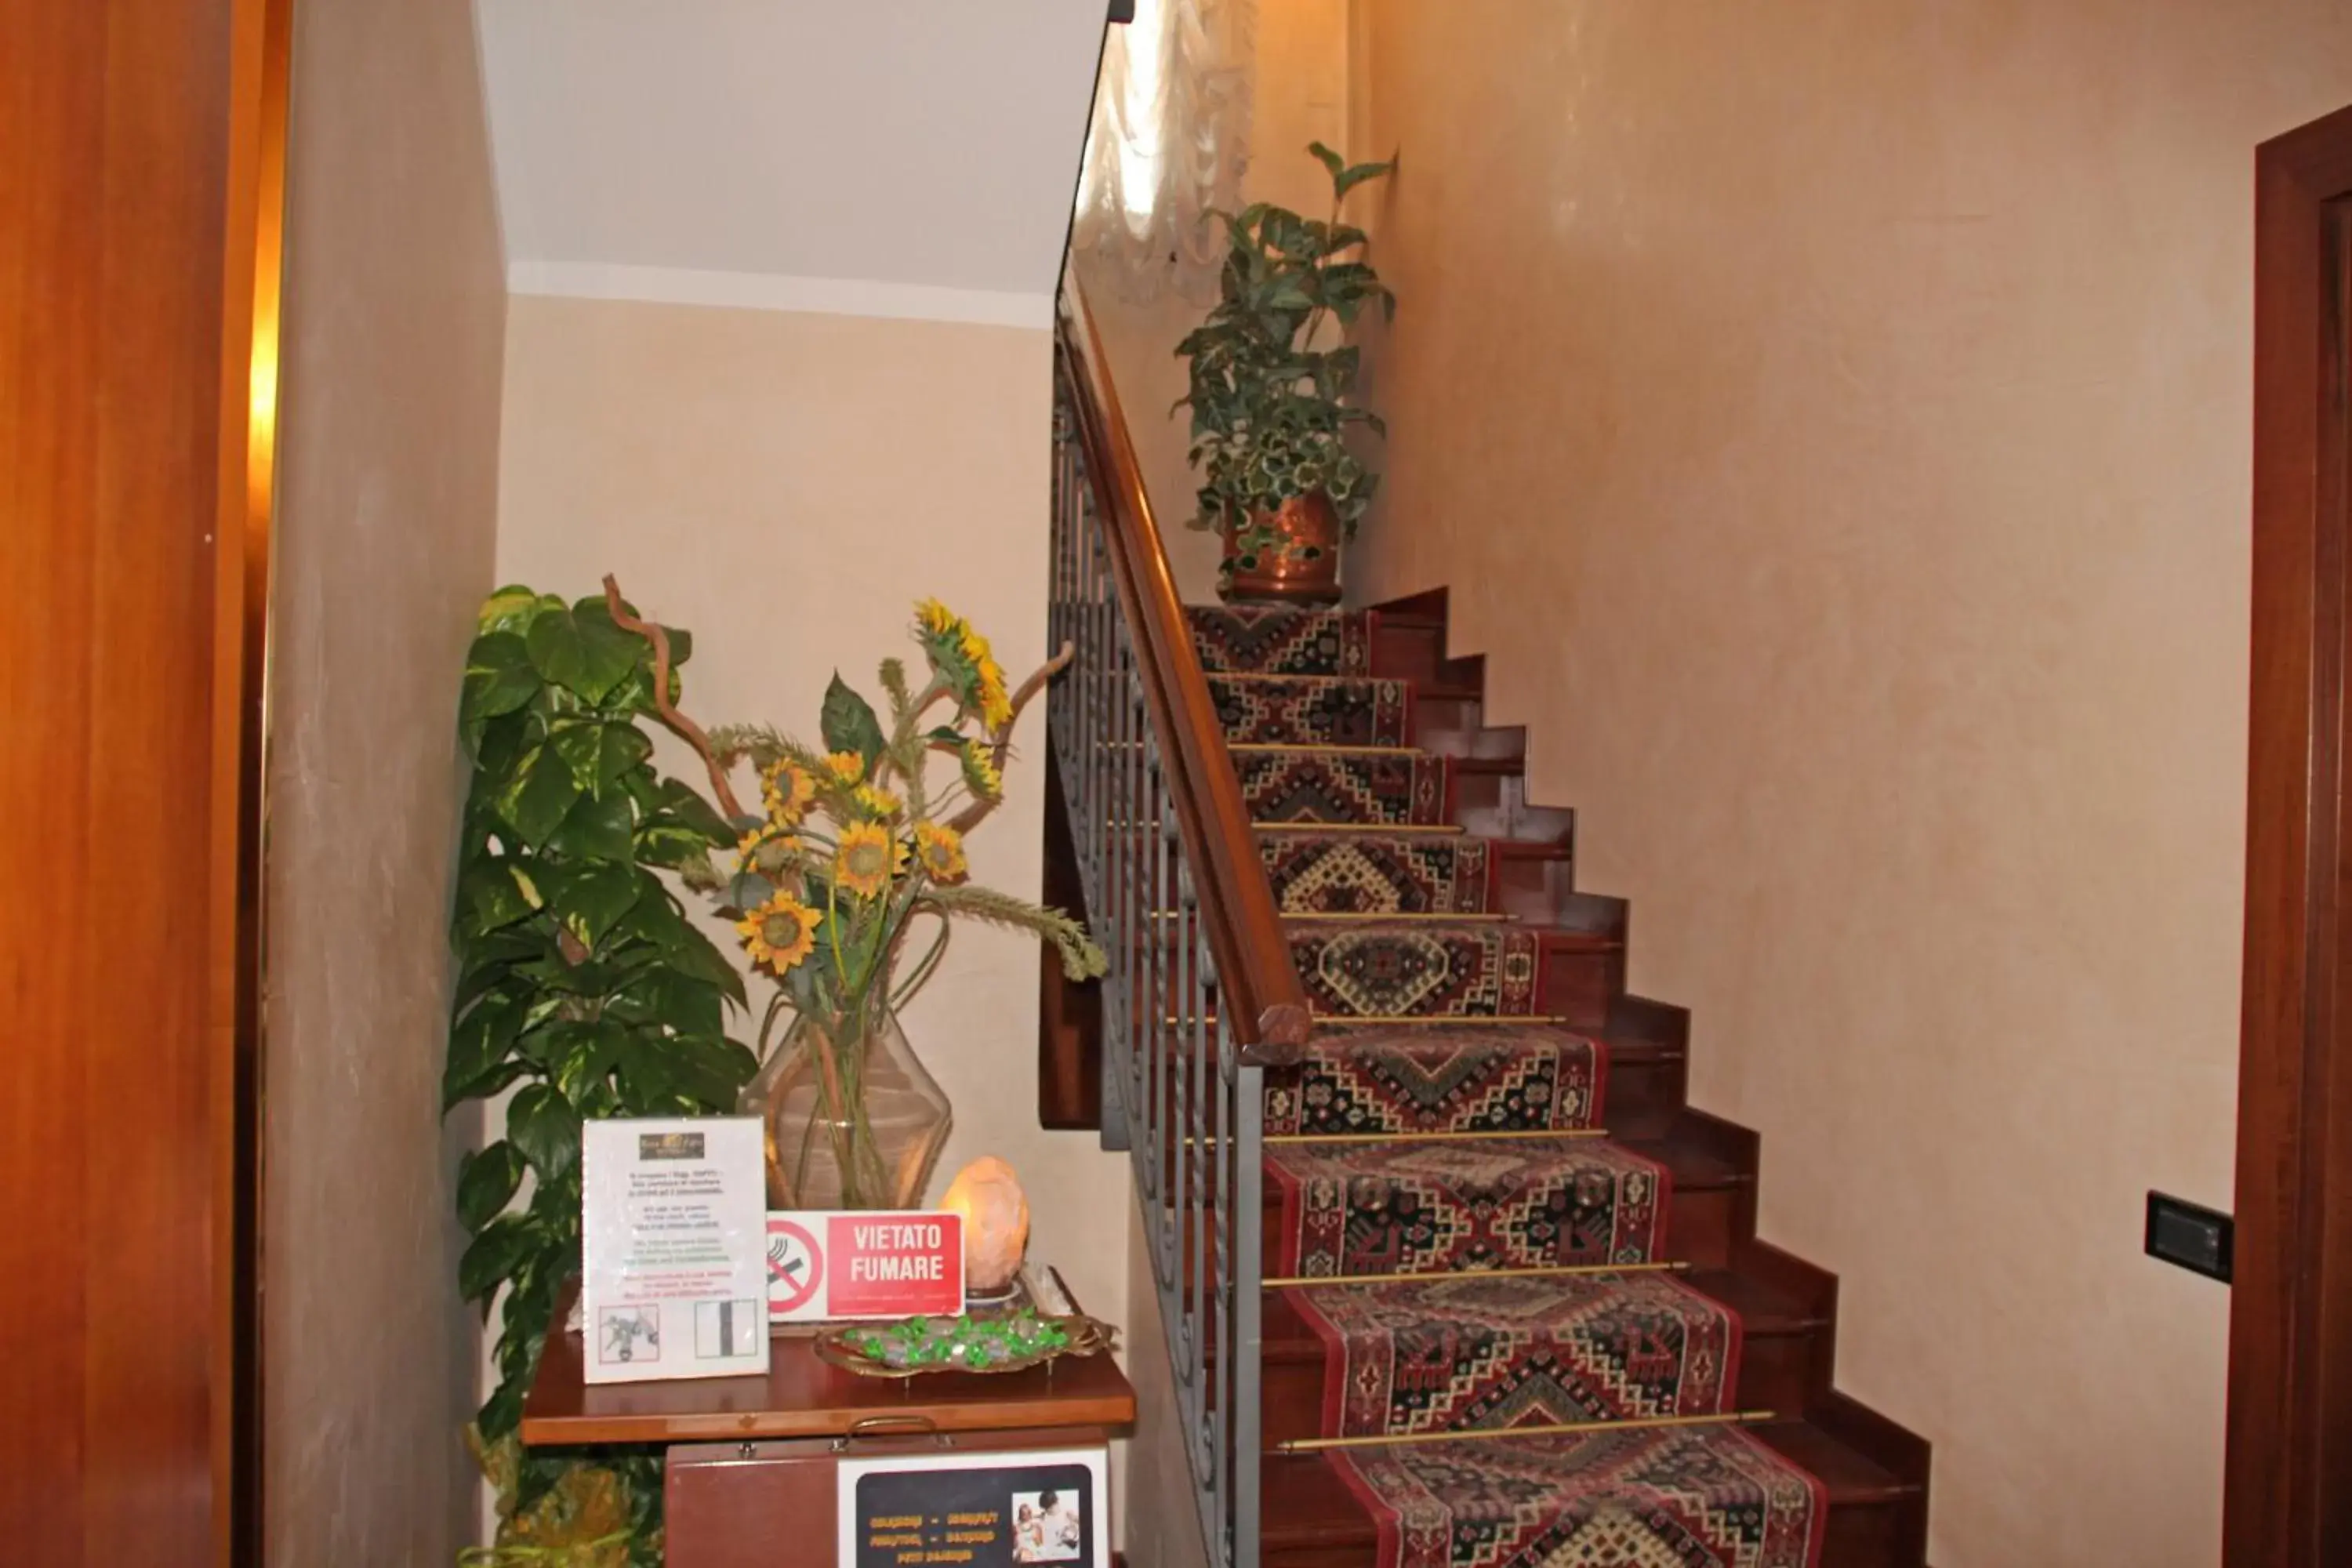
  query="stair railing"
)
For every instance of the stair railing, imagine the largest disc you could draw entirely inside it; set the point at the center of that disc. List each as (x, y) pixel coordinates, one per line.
(1200, 997)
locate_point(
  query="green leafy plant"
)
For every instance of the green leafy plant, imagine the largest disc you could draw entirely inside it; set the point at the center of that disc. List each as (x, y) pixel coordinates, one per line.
(1270, 409)
(582, 984)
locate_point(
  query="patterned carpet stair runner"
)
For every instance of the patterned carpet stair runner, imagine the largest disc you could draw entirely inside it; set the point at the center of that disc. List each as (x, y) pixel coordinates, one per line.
(1431, 970)
(1414, 1081)
(1429, 1208)
(1676, 1497)
(1482, 1350)
(1468, 1249)
(1315, 873)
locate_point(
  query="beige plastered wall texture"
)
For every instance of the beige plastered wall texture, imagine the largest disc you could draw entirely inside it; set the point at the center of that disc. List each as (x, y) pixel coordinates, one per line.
(1831, 420)
(386, 508)
(787, 485)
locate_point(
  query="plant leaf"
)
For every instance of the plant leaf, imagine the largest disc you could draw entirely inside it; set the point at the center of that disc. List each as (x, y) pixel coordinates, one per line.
(510, 609)
(591, 899)
(608, 653)
(1328, 158)
(556, 651)
(487, 1180)
(599, 750)
(848, 724)
(1342, 184)
(545, 1130)
(596, 829)
(492, 1256)
(490, 896)
(681, 802)
(709, 1070)
(499, 677)
(536, 801)
(479, 1044)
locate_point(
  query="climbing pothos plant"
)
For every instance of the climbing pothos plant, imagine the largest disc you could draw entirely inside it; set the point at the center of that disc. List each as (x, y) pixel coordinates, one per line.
(584, 988)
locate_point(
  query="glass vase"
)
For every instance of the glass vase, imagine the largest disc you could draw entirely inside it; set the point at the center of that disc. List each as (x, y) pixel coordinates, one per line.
(852, 1119)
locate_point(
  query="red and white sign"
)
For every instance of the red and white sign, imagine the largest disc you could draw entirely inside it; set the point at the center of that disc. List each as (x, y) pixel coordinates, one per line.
(824, 1265)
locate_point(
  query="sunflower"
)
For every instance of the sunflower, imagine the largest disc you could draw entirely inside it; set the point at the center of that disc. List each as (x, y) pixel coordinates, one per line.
(980, 774)
(846, 767)
(747, 848)
(865, 858)
(995, 704)
(990, 698)
(764, 851)
(940, 851)
(937, 619)
(963, 659)
(876, 803)
(779, 933)
(788, 789)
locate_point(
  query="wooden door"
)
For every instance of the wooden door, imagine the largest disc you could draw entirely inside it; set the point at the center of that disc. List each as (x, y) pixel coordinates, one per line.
(130, 171)
(2289, 1489)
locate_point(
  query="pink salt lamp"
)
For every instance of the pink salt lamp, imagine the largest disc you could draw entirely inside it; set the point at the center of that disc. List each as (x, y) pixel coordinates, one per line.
(995, 1224)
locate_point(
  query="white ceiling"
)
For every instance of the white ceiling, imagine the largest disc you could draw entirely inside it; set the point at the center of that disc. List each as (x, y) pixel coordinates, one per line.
(892, 157)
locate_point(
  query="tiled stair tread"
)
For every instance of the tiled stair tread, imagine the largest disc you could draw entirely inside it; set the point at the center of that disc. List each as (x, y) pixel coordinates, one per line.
(1763, 1312)
(1316, 1512)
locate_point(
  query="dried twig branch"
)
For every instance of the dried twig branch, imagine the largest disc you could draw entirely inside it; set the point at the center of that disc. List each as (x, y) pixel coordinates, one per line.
(970, 816)
(685, 729)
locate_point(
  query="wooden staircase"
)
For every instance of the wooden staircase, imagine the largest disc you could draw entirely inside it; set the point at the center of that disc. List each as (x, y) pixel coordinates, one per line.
(1874, 1472)
(1386, 1094)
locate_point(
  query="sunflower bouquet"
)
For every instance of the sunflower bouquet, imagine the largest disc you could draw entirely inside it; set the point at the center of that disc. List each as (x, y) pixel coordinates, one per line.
(845, 889)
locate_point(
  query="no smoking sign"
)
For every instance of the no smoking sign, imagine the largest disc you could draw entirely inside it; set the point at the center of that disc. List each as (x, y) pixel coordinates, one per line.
(826, 1264)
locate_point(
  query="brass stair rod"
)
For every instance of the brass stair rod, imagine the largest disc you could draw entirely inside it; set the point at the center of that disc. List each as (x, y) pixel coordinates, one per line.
(1558, 1429)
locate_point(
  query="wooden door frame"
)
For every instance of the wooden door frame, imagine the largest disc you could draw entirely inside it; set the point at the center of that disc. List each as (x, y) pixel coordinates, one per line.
(139, 148)
(2288, 1484)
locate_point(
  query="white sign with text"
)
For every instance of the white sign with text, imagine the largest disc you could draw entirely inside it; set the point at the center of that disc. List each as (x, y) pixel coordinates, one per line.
(673, 1226)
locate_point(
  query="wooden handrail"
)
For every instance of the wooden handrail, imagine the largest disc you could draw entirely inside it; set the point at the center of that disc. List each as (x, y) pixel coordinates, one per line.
(1257, 984)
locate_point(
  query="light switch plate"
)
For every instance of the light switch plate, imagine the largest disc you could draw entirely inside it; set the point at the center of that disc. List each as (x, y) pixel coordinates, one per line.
(2200, 1239)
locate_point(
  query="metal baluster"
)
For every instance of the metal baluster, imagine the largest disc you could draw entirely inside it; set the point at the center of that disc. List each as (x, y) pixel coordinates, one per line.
(1249, 1329)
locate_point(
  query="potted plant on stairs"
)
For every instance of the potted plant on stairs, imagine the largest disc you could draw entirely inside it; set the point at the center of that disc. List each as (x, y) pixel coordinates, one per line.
(1271, 406)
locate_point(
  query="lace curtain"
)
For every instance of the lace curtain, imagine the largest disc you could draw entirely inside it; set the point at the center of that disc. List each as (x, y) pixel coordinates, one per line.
(1169, 141)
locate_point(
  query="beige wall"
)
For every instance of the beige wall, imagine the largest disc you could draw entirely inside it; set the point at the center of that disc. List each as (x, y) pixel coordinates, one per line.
(1832, 418)
(787, 486)
(386, 506)
(1299, 95)
(1162, 1512)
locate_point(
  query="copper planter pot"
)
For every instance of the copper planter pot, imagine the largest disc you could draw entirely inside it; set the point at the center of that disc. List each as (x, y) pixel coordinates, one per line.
(1300, 565)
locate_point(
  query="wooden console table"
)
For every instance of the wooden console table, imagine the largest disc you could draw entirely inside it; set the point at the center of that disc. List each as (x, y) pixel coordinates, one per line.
(754, 1455)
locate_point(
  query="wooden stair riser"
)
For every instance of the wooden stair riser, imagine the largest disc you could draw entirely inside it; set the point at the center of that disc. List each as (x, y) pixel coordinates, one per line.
(1415, 651)
(1576, 984)
(1442, 722)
